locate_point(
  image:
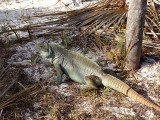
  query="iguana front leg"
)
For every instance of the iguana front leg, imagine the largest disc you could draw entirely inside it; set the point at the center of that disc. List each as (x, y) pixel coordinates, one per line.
(92, 81)
(59, 73)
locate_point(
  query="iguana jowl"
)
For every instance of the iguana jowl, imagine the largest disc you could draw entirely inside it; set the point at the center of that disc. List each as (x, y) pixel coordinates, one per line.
(84, 70)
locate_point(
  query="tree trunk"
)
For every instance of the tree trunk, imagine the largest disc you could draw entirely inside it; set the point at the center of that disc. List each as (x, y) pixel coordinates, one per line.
(134, 32)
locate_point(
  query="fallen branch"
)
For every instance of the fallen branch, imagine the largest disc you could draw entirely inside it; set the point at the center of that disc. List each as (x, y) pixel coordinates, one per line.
(36, 28)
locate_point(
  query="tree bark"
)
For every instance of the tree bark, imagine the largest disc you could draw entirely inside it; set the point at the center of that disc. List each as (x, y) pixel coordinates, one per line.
(134, 32)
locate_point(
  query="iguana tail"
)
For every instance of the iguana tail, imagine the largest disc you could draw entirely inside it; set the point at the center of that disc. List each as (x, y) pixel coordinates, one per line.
(122, 87)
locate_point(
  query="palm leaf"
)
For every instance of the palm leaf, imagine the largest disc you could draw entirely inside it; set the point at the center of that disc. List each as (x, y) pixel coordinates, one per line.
(100, 15)
(24, 94)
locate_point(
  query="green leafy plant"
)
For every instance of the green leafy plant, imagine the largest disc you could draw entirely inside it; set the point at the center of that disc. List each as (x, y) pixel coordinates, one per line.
(18, 37)
(65, 39)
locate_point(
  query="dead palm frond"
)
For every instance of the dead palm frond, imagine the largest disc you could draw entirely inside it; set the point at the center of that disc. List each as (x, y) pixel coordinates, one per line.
(153, 21)
(103, 14)
(22, 95)
(151, 44)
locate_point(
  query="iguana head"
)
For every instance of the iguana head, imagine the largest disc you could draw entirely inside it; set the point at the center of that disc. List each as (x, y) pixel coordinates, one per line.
(45, 50)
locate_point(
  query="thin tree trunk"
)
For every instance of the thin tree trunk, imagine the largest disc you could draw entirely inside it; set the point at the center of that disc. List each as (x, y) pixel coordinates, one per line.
(134, 32)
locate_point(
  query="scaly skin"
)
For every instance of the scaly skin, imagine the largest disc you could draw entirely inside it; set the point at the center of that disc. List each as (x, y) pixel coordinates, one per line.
(84, 70)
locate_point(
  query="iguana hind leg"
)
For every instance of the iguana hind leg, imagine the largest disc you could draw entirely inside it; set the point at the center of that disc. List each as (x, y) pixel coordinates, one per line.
(92, 81)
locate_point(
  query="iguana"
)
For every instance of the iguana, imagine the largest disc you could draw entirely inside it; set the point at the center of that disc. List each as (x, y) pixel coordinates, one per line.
(83, 70)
